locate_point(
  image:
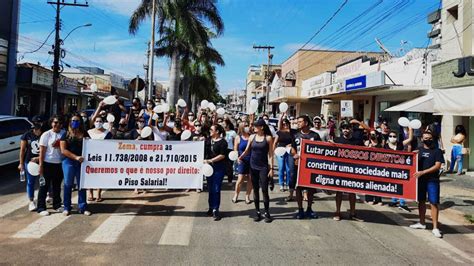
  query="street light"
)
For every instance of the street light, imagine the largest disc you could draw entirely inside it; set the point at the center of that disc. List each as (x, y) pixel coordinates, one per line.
(82, 26)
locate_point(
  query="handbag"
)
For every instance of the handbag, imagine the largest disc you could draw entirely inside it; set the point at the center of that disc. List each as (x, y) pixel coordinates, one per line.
(465, 151)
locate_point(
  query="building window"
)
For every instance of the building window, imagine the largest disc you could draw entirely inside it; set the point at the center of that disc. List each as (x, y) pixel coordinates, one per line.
(453, 11)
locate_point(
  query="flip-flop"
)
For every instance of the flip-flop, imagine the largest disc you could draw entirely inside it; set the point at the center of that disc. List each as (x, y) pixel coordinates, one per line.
(99, 200)
(336, 218)
(90, 199)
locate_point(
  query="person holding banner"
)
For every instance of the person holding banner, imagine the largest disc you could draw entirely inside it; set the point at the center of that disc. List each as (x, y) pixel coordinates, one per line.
(243, 168)
(50, 165)
(215, 156)
(304, 132)
(430, 159)
(71, 149)
(375, 141)
(98, 132)
(347, 138)
(260, 147)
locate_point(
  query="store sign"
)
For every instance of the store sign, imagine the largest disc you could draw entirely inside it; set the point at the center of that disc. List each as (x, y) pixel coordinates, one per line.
(68, 84)
(452, 73)
(42, 76)
(349, 69)
(356, 83)
(102, 81)
(347, 108)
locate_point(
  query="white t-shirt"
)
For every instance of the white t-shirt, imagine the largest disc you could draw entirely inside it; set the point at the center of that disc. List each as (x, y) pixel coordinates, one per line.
(323, 133)
(50, 140)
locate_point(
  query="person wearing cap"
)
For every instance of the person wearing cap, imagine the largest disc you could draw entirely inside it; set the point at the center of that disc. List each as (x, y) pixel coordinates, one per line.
(260, 147)
(318, 128)
(29, 152)
(304, 132)
(347, 138)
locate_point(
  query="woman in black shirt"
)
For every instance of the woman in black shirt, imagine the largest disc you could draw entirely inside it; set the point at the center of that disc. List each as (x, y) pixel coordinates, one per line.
(215, 156)
(71, 148)
(284, 139)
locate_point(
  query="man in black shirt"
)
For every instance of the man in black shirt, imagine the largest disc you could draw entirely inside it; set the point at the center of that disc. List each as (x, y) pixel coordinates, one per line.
(304, 132)
(347, 138)
(429, 163)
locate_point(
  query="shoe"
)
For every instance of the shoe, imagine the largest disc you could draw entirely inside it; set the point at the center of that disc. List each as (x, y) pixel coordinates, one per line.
(404, 208)
(392, 204)
(49, 200)
(86, 213)
(268, 218)
(271, 185)
(209, 212)
(247, 200)
(44, 213)
(282, 189)
(258, 217)
(336, 218)
(310, 214)
(234, 200)
(60, 209)
(436, 233)
(66, 213)
(380, 203)
(300, 214)
(32, 206)
(355, 218)
(289, 198)
(216, 215)
(418, 226)
(198, 191)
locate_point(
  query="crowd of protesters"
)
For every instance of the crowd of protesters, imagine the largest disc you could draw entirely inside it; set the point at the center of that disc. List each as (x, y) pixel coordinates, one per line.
(59, 148)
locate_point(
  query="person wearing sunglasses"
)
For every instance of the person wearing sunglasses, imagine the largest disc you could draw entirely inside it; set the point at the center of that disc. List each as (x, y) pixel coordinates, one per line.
(50, 159)
(318, 128)
(374, 141)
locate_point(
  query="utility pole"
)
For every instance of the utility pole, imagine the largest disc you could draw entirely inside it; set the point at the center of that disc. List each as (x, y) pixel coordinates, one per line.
(53, 106)
(152, 51)
(146, 67)
(266, 107)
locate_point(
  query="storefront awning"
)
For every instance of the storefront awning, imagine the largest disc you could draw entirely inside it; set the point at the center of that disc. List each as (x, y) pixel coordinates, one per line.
(422, 104)
(455, 101)
(68, 92)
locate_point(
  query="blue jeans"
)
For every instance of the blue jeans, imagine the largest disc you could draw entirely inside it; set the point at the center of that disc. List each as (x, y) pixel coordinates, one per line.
(71, 170)
(285, 165)
(456, 155)
(214, 183)
(30, 183)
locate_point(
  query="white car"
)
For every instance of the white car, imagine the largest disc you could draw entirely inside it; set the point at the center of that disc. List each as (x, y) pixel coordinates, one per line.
(11, 130)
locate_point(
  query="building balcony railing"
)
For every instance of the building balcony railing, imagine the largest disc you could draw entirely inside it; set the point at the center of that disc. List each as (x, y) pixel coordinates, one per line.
(286, 94)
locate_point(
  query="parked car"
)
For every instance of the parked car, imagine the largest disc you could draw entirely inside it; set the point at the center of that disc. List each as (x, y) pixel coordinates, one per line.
(11, 130)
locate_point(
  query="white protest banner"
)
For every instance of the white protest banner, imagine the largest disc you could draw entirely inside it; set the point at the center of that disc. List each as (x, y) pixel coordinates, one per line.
(347, 109)
(128, 164)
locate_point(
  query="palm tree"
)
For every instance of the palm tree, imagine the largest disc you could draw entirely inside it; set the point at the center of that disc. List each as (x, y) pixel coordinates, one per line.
(181, 29)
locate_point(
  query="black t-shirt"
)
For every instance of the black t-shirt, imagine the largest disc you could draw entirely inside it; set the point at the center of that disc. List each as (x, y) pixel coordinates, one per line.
(216, 148)
(284, 138)
(311, 135)
(174, 136)
(358, 133)
(32, 146)
(116, 112)
(73, 144)
(351, 141)
(427, 158)
(123, 134)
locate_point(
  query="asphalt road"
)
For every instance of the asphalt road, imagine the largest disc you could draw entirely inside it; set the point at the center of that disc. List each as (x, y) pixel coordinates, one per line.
(169, 227)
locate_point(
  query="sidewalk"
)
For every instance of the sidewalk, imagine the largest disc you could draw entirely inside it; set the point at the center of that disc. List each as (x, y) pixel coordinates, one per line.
(457, 196)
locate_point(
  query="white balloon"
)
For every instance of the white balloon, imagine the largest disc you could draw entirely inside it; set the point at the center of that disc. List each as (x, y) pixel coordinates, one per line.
(158, 109)
(185, 135)
(207, 170)
(280, 151)
(220, 111)
(204, 104)
(211, 107)
(110, 118)
(233, 156)
(181, 103)
(106, 126)
(254, 103)
(146, 132)
(33, 168)
(403, 121)
(109, 100)
(252, 109)
(155, 117)
(165, 108)
(283, 107)
(415, 124)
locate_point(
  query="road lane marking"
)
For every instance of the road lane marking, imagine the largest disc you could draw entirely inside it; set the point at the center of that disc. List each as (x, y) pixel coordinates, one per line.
(111, 229)
(43, 225)
(15, 204)
(179, 228)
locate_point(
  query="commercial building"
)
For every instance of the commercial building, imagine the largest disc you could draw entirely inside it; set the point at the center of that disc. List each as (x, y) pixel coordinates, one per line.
(303, 65)
(9, 17)
(255, 83)
(453, 76)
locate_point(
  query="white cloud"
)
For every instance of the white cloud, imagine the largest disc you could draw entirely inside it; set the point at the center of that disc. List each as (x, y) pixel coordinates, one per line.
(122, 7)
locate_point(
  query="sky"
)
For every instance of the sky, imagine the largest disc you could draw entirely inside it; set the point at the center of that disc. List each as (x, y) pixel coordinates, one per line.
(288, 25)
